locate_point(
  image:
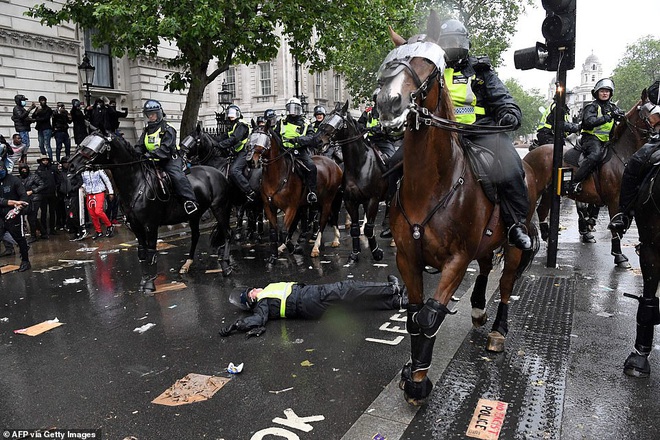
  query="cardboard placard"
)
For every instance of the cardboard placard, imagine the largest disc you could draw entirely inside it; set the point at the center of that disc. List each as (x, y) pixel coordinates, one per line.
(192, 388)
(487, 421)
(9, 268)
(40, 328)
(169, 286)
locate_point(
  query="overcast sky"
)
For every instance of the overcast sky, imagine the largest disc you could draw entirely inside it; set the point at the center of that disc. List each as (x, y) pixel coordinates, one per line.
(604, 28)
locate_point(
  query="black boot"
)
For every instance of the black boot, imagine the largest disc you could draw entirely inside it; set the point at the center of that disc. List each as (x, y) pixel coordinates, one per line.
(518, 237)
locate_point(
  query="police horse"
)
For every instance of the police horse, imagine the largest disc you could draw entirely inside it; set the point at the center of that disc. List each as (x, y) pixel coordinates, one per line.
(602, 186)
(283, 189)
(440, 215)
(201, 148)
(147, 206)
(363, 182)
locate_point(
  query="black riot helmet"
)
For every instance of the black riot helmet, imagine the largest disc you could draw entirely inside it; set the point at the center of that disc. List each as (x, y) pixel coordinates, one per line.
(454, 40)
(153, 106)
(319, 110)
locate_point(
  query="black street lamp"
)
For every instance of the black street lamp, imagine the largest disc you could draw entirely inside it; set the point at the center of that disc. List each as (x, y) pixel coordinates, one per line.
(304, 104)
(225, 98)
(87, 71)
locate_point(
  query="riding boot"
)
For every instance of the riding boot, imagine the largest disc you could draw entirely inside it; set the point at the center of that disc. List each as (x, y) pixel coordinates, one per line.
(582, 173)
(311, 184)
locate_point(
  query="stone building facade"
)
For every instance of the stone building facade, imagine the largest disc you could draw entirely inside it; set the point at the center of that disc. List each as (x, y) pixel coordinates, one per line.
(38, 60)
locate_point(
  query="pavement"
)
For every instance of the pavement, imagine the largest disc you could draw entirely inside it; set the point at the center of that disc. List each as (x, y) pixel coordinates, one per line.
(337, 378)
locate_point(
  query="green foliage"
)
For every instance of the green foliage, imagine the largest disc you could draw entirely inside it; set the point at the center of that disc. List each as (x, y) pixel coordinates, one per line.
(638, 68)
(529, 102)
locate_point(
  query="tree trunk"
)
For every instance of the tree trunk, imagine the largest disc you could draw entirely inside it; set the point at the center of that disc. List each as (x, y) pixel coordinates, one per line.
(193, 102)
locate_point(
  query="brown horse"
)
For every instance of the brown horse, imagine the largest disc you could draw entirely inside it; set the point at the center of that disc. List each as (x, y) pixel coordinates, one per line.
(440, 216)
(282, 188)
(602, 186)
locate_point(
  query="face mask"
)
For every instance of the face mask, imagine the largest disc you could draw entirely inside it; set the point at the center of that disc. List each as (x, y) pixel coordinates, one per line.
(23, 103)
(23, 173)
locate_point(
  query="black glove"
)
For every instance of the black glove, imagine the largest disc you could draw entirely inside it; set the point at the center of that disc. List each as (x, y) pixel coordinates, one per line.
(607, 117)
(148, 155)
(226, 331)
(257, 331)
(508, 119)
(618, 114)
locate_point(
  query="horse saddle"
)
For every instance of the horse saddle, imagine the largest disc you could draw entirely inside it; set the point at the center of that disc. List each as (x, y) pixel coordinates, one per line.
(160, 182)
(575, 156)
(482, 161)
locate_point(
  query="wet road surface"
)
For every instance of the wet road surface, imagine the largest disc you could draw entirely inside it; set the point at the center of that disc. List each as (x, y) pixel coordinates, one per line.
(331, 378)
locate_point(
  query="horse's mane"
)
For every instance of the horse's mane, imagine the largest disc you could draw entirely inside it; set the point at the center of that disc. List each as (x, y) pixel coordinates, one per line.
(620, 129)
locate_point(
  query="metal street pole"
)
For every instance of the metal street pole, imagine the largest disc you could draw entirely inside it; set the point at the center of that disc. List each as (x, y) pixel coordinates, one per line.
(558, 152)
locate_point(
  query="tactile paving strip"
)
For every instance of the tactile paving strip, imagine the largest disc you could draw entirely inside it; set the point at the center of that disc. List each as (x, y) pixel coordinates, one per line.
(530, 375)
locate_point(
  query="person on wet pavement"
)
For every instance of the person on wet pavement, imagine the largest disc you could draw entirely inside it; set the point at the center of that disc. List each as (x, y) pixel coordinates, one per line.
(310, 301)
(13, 195)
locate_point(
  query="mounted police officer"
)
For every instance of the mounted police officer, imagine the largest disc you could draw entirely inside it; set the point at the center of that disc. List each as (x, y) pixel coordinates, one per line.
(598, 119)
(295, 133)
(271, 116)
(638, 166)
(237, 137)
(319, 117)
(159, 142)
(369, 120)
(545, 132)
(480, 98)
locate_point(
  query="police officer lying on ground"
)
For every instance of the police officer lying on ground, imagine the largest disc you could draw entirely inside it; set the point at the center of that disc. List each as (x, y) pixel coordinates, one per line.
(310, 301)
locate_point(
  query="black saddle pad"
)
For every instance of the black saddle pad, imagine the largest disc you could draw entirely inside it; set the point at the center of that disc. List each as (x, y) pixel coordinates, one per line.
(482, 162)
(574, 156)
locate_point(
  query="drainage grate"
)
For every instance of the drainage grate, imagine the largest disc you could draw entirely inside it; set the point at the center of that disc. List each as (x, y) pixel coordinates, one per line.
(530, 375)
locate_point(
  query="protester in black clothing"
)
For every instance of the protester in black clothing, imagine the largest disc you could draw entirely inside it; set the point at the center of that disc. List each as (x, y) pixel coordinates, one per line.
(61, 121)
(99, 116)
(80, 131)
(13, 195)
(22, 121)
(48, 205)
(310, 301)
(34, 187)
(114, 115)
(44, 115)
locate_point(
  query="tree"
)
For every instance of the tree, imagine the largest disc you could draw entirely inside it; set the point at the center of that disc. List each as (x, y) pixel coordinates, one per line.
(638, 68)
(223, 32)
(529, 102)
(491, 23)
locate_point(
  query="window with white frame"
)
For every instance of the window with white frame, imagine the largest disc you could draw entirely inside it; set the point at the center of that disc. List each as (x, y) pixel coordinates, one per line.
(100, 58)
(265, 79)
(337, 88)
(230, 80)
(318, 86)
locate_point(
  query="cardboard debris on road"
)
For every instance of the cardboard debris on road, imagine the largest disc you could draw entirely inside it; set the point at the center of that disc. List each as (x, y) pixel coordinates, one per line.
(40, 328)
(192, 388)
(8, 268)
(175, 285)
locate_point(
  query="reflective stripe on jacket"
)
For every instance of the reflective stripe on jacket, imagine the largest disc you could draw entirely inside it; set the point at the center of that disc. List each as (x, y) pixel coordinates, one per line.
(462, 96)
(242, 143)
(602, 132)
(279, 291)
(289, 131)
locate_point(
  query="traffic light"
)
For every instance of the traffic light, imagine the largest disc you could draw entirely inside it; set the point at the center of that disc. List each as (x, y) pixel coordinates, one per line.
(559, 31)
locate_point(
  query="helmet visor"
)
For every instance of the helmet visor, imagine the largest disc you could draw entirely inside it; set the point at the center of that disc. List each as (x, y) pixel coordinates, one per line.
(232, 112)
(293, 108)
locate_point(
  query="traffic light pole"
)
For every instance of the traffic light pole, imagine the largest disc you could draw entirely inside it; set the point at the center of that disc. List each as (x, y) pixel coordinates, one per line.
(558, 152)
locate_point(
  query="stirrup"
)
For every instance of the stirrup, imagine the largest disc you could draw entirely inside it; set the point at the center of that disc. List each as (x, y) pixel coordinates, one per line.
(576, 188)
(189, 206)
(311, 197)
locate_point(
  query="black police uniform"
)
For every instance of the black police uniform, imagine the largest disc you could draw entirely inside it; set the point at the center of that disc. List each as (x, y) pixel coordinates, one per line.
(302, 144)
(11, 188)
(311, 302)
(546, 134)
(239, 132)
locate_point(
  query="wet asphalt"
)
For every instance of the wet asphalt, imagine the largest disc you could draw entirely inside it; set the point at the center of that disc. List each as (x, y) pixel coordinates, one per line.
(327, 379)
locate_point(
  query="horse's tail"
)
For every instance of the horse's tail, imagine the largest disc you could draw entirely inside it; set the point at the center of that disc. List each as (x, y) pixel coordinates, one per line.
(528, 256)
(217, 236)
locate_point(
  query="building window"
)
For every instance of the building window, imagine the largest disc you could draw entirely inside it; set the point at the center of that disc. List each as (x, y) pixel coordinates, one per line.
(100, 58)
(337, 88)
(230, 78)
(593, 77)
(265, 83)
(318, 86)
(593, 67)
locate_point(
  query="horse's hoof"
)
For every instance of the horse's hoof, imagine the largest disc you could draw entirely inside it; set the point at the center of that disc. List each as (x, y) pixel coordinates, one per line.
(392, 243)
(377, 254)
(495, 342)
(621, 261)
(479, 318)
(315, 253)
(186, 267)
(416, 393)
(335, 244)
(545, 231)
(353, 257)
(588, 237)
(637, 365)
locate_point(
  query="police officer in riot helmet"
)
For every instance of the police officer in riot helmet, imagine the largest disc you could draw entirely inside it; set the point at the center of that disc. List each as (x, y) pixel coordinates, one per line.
(480, 97)
(238, 135)
(271, 116)
(319, 117)
(158, 143)
(295, 132)
(598, 120)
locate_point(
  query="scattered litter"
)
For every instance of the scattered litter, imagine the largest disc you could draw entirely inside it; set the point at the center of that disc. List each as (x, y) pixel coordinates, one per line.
(174, 285)
(144, 317)
(310, 267)
(4, 319)
(144, 328)
(379, 436)
(109, 251)
(40, 328)
(72, 280)
(87, 249)
(172, 306)
(380, 265)
(306, 363)
(213, 271)
(350, 275)
(281, 391)
(455, 298)
(234, 369)
(609, 289)
(487, 359)
(325, 262)
(192, 388)
(161, 246)
(298, 341)
(514, 297)
(471, 269)
(76, 261)
(249, 257)
(335, 369)
(605, 314)
(9, 268)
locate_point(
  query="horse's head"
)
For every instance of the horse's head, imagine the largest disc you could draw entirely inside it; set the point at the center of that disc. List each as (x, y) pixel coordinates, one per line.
(93, 149)
(259, 144)
(641, 121)
(198, 146)
(649, 111)
(334, 123)
(410, 74)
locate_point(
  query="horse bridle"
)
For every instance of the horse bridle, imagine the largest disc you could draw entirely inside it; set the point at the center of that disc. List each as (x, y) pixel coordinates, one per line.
(340, 125)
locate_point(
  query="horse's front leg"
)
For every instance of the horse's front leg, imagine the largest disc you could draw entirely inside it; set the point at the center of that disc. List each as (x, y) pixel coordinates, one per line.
(148, 257)
(371, 212)
(290, 224)
(542, 211)
(648, 314)
(194, 239)
(271, 215)
(352, 208)
(423, 324)
(478, 296)
(620, 260)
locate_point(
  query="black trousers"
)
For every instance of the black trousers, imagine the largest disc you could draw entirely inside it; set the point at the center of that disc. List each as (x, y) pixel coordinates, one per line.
(594, 151)
(48, 206)
(633, 175)
(182, 186)
(15, 229)
(314, 299)
(237, 169)
(306, 159)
